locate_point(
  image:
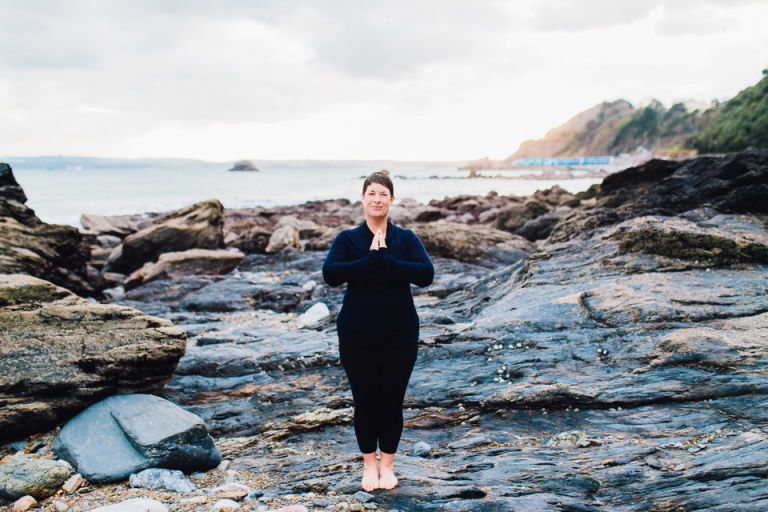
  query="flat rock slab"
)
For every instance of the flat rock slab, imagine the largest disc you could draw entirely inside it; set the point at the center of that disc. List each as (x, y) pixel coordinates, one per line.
(22, 475)
(125, 434)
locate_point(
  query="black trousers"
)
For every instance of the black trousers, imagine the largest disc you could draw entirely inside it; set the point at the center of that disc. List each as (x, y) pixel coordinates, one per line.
(378, 391)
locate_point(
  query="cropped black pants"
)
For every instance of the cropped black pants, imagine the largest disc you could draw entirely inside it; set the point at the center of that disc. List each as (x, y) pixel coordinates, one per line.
(378, 391)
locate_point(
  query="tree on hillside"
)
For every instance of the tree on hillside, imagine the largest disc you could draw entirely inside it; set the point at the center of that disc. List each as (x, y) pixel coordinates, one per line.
(740, 123)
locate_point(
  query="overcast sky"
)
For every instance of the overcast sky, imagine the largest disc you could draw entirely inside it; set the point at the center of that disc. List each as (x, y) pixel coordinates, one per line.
(351, 79)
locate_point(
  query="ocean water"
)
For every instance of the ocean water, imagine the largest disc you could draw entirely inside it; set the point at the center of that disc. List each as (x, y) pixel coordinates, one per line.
(61, 196)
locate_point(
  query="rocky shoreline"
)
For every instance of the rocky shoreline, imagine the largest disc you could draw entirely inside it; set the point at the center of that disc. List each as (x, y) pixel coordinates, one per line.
(604, 351)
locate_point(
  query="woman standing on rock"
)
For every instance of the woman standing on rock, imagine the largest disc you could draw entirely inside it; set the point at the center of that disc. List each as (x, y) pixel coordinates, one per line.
(378, 326)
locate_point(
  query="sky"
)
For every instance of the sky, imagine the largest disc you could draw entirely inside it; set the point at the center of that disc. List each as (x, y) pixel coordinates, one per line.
(351, 79)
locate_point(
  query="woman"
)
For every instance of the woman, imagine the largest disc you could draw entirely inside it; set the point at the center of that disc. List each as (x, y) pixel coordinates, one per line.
(378, 326)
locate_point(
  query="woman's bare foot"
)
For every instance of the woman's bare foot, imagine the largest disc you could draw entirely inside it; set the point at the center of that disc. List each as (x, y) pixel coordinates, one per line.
(387, 478)
(370, 472)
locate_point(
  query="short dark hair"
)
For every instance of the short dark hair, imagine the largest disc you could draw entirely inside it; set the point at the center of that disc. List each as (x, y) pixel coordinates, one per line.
(382, 178)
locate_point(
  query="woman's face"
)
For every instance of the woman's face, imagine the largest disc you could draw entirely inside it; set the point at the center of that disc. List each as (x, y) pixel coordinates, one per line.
(377, 200)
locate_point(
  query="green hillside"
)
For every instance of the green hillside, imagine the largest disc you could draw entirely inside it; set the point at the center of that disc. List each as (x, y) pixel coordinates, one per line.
(618, 127)
(738, 124)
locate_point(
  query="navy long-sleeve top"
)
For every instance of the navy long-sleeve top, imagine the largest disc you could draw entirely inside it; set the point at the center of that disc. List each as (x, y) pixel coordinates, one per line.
(378, 314)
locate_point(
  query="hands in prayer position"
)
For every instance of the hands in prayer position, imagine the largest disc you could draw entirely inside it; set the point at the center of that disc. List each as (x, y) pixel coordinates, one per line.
(379, 240)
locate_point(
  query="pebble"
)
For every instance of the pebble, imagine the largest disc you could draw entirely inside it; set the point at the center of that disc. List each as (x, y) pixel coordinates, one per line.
(421, 449)
(134, 505)
(342, 506)
(231, 487)
(24, 503)
(193, 501)
(232, 476)
(370, 506)
(320, 502)
(73, 483)
(60, 506)
(356, 507)
(225, 506)
(166, 479)
(292, 508)
(223, 466)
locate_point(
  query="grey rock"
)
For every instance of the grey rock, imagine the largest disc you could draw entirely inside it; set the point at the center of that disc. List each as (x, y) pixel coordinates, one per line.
(165, 479)
(363, 497)
(469, 443)
(22, 475)
(421, 449)
(135, 432)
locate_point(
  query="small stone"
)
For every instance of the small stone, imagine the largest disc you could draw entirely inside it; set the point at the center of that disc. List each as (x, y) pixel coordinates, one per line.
(60, 506)
(292, 508)
(332, 493)
(370, 506)
(679, 467)
(232, 476)
(24, 503)
(421, 449)
(320, 502)
(165, 479)
(255, 494)
(363, 496)
(73, 483)
(223, 466)
(193, 501)
(356, 507)
(342, 506)
(607, 462)
(134, 505)
(225, 506)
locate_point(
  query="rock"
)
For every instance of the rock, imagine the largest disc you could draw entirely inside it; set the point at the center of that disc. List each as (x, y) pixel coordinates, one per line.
(134, 505)
(324, 241)
(255, 240)
(469, 443)
(244, 165)
(314, 315)
(23, 504)
(231, 487)
(135, 432)
(74, 482)
(60, 506)
(191, 262)
(165, 479)
(62, 353)
(554, 196)
(512, 217)
(305, 228)
(541, 227)
(363, 497)
(421, 449)
(22, 475)
(118, 225)
(29, 246)
(198, 226)
(285, 236)
(225, 506)
(474, 244)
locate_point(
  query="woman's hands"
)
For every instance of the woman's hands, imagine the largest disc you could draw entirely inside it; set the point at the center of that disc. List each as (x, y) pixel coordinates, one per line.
(379, 240)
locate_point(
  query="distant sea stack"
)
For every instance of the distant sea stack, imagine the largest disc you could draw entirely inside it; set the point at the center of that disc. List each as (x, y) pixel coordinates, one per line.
(244, 165)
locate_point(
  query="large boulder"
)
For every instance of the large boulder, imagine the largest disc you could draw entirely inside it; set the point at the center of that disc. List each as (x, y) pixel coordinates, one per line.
(125, 434)
(473, 244)
(30, 246)
(61, 353)
(198, 226)
(116, 225)
(199, 262)
(513, 216)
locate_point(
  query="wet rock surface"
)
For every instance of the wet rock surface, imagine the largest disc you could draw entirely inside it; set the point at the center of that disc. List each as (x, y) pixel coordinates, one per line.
(621, 366)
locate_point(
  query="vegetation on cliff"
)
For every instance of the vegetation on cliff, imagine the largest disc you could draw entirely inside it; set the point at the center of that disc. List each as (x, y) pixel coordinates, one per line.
(740, 123)
(618, 127)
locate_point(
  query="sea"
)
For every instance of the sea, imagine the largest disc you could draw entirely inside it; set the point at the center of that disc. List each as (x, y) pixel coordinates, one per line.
(60, 195)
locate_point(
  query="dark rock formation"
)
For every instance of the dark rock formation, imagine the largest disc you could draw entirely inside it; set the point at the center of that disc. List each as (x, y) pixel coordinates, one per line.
(61, 353)
(30, 246)
(473, 244)
(198, 226)
(244, 165)
(125, 434)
